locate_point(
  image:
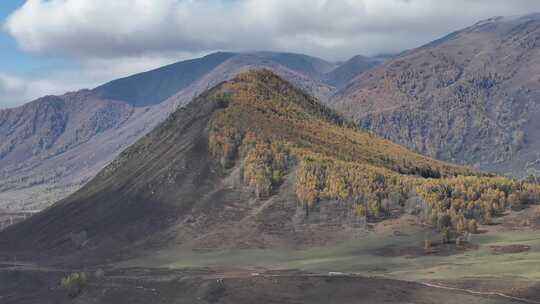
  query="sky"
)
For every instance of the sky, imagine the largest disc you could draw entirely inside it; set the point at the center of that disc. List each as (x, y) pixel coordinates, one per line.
(55, 46)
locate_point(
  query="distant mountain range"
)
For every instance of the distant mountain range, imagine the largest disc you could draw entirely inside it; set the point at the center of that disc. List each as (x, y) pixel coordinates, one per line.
(52, 146)
(471, 97)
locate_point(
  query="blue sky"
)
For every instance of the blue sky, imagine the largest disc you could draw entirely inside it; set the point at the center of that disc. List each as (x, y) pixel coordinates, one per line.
(55, 46)
(12, 59)
(15, 61)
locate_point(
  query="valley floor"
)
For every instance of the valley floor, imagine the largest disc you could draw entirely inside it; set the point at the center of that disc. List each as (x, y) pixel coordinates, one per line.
(139, 285)
(391, 249)
(387, 265)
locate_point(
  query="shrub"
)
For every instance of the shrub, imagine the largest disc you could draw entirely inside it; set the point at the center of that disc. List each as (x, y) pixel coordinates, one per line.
(427, 244)
(445, 235)
(443, 221)
(472, 226)
(74, 283)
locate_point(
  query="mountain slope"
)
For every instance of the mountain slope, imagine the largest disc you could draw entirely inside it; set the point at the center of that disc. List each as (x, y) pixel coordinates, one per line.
(345, 72)
(52, 146)
(41, 145)
(305, 64)
(252, 163)
(154, 86)
(470, 97)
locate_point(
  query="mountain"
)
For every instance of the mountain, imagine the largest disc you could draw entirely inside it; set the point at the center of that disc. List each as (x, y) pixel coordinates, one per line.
(52, 146)
(154, 86)
(351, 68)
(44, 142)
(157, 85)
(298, 62)
(470, 97)
(252, 163)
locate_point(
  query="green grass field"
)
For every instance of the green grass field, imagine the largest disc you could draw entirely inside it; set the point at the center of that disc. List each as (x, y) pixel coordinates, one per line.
(360, 257)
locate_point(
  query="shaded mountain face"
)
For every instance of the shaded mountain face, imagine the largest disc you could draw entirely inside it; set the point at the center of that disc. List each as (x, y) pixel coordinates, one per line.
(298, 62)
(153, 87)
(232, 169)
(348, 70)
(52, 146)
(470, 97)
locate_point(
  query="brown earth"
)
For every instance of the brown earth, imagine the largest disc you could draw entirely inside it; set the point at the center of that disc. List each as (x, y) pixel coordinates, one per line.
(438, 249)
(208, 286)
(510, 249)
(516, 287)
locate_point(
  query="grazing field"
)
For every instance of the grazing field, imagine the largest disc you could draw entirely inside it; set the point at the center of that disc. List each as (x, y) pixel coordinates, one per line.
(386, 255)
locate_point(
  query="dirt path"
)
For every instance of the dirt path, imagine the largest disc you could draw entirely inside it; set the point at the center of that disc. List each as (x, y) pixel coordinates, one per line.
(481, 293)
(426, 284)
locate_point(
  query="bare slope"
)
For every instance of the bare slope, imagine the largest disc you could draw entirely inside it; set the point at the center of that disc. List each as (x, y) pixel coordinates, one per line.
(470, 97)
(345, 72)
(154, 86)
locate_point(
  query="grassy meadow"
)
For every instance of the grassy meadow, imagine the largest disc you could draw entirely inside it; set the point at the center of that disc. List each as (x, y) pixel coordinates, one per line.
(363, 257)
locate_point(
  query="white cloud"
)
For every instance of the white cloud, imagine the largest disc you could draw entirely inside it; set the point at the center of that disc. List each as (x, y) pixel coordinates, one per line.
(329, 28)
(114, 38)
(11, 91)
(15, 90)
